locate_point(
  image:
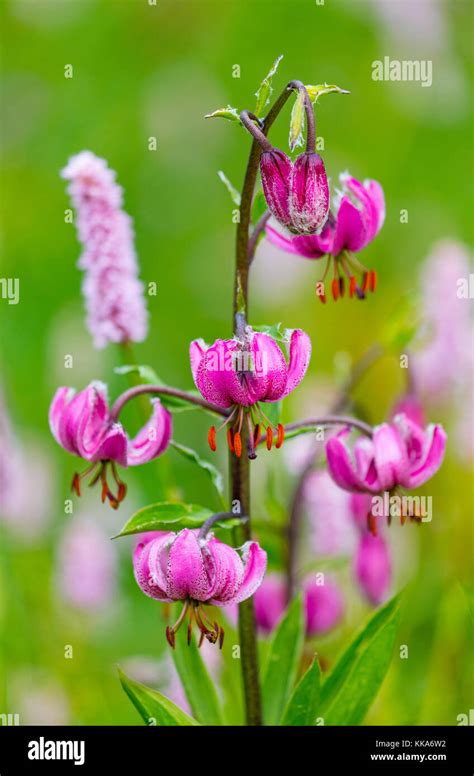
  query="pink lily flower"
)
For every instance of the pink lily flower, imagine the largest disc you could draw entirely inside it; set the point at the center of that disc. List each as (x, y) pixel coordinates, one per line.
(198, 571)
(241, 373)
(359, 218)
(296, 194)
(399, 453)
(81, 423)
(373, 567)
(323, 604)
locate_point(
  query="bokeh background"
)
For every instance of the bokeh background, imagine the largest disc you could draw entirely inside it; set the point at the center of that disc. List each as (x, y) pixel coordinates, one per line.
(142, 70)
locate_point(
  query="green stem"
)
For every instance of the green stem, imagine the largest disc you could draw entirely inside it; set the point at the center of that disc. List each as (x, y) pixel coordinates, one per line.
(239, 467)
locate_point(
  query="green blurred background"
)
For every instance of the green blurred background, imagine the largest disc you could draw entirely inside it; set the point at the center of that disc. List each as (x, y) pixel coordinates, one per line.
(142, 71)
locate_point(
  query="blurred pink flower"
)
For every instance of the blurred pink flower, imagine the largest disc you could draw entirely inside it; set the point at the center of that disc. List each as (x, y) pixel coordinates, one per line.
(399, 453)
(186, 567)
(87, 565)
(373, 567)
(328, 508)
(323, 604)
(114, 295)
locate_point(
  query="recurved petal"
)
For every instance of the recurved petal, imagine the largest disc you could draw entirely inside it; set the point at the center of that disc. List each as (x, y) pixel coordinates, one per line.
(197, 349)
(149, 578)
(351, 228)
(61, 399)
(153, 439)
(268, 377)
(341, 467)
(225, 570)
(92, 422)
(187, 575)
(431, 460)
(300, 354)
(217, 378)
(308, 246)
(391, 460)
(112, 446)
(255, 565)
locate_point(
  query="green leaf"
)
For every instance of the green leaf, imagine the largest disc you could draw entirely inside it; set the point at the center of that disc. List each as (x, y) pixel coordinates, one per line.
(297, 122)
(234, 194)
(282, 663)
(148, 375)
(172, 516)
(152, 706)
(277, 331)
(265, 90)
(350, 689)
(315, 92)
(215, 475)
(229, 113)
(198, 685)
(302, 708)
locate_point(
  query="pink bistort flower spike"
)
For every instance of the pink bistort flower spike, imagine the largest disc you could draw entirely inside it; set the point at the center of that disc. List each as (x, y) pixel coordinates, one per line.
(400, 453)
(244, 372)
(356, 223)
(198, 570)
(323, 604)
(81, 423)
(296, 194)
(115, 302)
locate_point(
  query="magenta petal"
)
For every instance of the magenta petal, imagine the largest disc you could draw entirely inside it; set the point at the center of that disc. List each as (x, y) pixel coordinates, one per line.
(351, 228)
(373, 568)
(255, 565)
(309, 194)
(300, 354)
(187, 575)
(377, 196)
(153, 439)
(433, 455)
(197, 349)
(112, 446)
(391, 460)
(324, 606)
(93, 422)
(308, 246)
(341, 467)
(225, 569)
(61, 399)
(275, 170)
(145, 573)
(270, 602)
(268, 378)
(70, 420)
(216, 376)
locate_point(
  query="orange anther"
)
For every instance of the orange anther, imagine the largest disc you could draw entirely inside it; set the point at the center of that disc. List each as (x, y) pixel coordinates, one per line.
(230, 439)
(322, 298)
(122, 491)
(280, 437)
(257, 433)
(335, 289)
(211, 438)
(373, 280)
(76, 484)
(237, 444)
(352, 286)
(269, 438)
(341, 287)
(365, 282)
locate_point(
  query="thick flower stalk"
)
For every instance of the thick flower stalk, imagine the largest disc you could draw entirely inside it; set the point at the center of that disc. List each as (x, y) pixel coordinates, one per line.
(114, 296)
(241, 374)
(197, 570)
(400, 453)
(82, 424)
(357, 221)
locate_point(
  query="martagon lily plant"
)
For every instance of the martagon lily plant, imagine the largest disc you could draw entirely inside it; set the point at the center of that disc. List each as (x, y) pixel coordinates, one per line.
(207, 565)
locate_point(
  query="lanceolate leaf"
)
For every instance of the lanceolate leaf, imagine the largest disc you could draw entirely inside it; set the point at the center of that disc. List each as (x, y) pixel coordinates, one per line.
(348, 692)
(234, 194)
(166, 516)
(229, 113)
(282, 663)
(302, 708)
(198, 686)
(153, 707)
(211, 471)
(265, 90)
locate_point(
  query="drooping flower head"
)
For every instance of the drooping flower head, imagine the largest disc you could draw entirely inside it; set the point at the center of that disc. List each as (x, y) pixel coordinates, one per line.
(114, 295)
(373, 567)
(241, 374)
(400, 453)
(323, 604)
(297, 194)
(198, 571)
(83, 425)
(355, 223)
